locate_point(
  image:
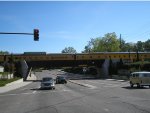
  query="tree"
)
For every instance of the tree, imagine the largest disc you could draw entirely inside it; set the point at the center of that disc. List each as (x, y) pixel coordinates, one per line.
(89, 47)
(140, 46)
(147, 45)
(128, 47)
(4, 52)
(108, 43)
(69, 50)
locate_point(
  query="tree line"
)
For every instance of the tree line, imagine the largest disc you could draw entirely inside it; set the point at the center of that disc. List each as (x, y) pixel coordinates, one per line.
(4, 52)
(111, 43)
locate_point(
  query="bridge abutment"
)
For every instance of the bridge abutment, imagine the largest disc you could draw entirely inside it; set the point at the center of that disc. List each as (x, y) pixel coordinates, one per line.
(24, 69)
(103, 71)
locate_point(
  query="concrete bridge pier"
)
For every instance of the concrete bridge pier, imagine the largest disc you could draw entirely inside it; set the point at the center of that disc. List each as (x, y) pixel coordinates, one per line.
(24, 69)
(103, 71)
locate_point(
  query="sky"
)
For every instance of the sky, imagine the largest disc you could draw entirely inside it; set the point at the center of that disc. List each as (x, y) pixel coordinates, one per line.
(72, 23)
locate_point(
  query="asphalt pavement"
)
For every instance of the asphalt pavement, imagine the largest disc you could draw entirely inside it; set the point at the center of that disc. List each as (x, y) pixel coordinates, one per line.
(93, 96)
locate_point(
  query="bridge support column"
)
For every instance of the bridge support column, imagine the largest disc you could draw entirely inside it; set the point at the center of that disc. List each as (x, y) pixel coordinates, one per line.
(24, 70)
(103, 71)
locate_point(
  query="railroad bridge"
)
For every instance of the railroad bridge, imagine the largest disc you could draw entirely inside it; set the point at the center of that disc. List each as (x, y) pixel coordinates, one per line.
(100, 59)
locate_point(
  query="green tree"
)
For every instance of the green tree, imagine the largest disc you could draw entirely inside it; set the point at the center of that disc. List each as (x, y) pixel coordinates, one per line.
(147, 45)
(126, 47)
(140, 46)
(108, 43)
(4, 52)
(68, 50)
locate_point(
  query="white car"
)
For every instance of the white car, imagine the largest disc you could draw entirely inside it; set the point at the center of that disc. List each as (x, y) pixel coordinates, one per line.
(47, 83)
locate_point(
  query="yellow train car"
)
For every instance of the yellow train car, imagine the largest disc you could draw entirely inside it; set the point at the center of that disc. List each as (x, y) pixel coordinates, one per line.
(113, 55)
(61, 57)
(90, 56)
(81, 56)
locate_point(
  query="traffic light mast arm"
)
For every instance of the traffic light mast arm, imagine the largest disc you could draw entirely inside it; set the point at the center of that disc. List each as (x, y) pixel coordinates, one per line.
(17, 33)
(35, 34)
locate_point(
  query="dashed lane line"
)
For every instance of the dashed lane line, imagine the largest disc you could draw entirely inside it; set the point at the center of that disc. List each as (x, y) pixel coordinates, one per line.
(34, 92)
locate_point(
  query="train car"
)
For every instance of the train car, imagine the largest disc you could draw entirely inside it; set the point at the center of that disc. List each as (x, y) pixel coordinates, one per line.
(113, 55)
(42, 56)
(61, 57)
(34, 53)
(90, 56)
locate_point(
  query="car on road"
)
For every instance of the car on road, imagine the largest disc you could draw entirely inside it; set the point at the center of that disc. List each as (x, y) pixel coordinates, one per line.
(61, 80)
(47, 83)
(140, 79)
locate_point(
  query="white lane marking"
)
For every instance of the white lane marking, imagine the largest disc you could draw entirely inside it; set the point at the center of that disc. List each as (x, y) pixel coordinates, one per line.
(15, 94)
(83, 83)
(90, 86)
(25, 93)
(11, 94)
(111, 86)
(23, 89)
(107, 110)
(34, 92)
(120, 80)
(66, 90)
(106, 84)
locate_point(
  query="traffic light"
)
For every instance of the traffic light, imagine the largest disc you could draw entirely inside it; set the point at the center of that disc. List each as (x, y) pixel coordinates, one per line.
(36, 35)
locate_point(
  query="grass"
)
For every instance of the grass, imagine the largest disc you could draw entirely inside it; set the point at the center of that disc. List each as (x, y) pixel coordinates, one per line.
(3, 82)
(4, 73)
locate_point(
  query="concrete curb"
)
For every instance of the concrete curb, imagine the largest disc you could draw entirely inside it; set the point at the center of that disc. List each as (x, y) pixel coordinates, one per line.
(77, 83)
(14, 82)
(81, 84)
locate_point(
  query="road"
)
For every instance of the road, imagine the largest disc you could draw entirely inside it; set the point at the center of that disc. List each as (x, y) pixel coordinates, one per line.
(97, 96)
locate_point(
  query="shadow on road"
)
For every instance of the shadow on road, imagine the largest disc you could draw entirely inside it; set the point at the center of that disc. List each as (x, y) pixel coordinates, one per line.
(32, 80)
(135, 88)
(39, 89)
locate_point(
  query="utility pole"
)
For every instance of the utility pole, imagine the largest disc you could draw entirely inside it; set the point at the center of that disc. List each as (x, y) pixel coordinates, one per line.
(120, 43)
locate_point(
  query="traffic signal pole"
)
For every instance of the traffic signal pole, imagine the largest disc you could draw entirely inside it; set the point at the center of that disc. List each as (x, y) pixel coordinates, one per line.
(35, 34)
(17, 33)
